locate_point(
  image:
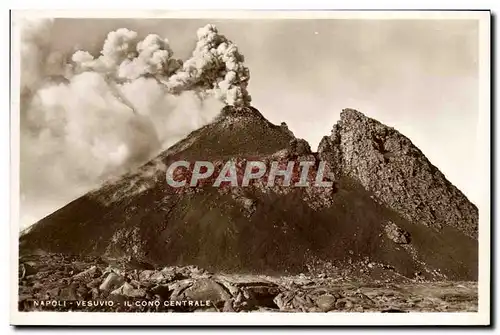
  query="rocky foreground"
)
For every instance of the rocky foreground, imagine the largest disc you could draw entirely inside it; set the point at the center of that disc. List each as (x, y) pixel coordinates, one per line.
(59, 282)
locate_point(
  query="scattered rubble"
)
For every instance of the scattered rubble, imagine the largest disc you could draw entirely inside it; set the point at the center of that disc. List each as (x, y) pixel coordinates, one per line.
(65, 283)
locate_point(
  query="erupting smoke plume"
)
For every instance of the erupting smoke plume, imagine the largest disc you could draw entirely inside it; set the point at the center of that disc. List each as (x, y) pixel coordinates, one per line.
(215, 68)
(86, 118)
(216, 65)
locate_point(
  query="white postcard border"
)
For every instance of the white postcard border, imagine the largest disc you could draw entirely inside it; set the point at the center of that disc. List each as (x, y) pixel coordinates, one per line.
(482, 317)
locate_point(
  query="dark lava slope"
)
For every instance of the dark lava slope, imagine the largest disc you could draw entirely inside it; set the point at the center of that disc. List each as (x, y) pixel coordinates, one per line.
(377, 210)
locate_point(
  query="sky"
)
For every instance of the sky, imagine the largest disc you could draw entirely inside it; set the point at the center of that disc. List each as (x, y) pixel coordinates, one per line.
(419, 76)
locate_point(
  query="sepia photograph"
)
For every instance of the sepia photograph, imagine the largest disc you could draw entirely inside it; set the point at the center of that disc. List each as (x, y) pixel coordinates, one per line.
(248, 163)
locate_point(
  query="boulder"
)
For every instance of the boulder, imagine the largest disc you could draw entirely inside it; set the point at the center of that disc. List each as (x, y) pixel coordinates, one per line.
(326, 302)
(87, 274)
(146, 275)
(206, 289)
(129, 291)
(111, 282)
(396, 234)
(294, 301)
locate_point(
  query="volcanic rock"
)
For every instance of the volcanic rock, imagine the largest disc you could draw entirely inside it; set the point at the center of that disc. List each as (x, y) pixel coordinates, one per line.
(89, 273)
(387, 163)
(111, 282)
(68, 293)
(128, 290)
(252, 293)
(326, 302)
(378, 176)
(396, 234)
(146, 275)
(206, 290)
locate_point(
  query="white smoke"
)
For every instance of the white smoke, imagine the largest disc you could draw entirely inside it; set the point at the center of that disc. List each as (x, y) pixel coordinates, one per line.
(89, 118)
(37, 59)
(215, 66)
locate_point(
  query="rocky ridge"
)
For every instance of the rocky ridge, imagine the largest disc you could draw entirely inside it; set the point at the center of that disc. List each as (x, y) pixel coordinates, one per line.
(387, 163)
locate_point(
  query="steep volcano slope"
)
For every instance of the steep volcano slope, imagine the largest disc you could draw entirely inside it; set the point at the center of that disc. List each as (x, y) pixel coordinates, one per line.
(253, 229)
(388, 164)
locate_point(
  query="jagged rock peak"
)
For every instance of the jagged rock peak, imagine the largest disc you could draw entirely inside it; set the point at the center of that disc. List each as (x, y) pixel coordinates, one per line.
(349, 113)
(350, 117)
(387, 163)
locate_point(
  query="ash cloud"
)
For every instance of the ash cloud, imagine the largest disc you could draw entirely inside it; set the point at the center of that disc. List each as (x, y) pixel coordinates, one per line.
(86, 118)
(215, 68)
